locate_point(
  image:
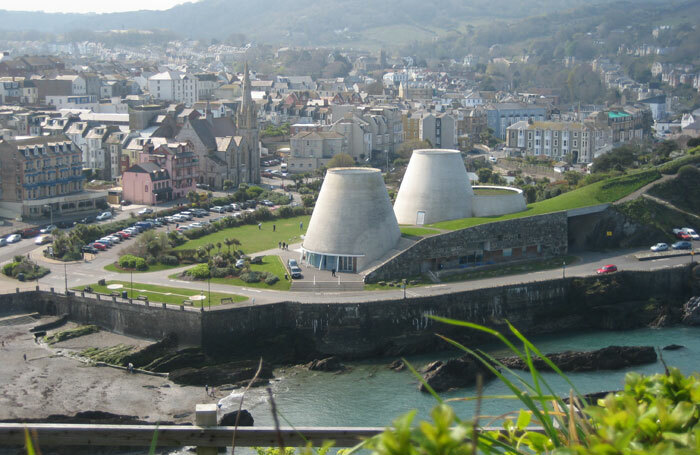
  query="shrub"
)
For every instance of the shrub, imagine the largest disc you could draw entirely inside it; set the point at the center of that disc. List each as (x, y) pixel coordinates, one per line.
(9, 269)
(271, 279)
(151, 260)
(219, 272)
(167, 259)
(199, 272)
(129, 261)
(673, 166)
(251, 277)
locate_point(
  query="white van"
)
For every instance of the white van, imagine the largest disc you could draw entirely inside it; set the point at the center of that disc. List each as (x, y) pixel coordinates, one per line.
(283, 167)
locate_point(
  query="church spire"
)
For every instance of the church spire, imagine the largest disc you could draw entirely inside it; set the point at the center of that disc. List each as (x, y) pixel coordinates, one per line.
(247, 117)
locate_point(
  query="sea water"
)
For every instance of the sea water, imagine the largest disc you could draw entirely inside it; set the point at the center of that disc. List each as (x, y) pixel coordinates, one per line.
(370, 394)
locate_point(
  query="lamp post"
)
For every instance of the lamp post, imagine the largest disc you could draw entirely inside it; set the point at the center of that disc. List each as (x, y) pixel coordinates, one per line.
(563, 270)
(209, 288)
(131, 273)
(65, 276)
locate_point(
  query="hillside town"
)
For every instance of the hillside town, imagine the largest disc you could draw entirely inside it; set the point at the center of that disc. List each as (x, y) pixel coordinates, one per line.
(209, 118)
(322, 218)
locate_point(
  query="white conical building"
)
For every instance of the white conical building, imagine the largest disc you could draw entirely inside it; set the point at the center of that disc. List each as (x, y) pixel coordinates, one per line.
(353, 223)
(435, 188)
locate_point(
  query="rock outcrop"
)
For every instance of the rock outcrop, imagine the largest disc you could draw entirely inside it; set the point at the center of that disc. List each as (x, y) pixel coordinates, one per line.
(454, 373)
(609, 358)
(327, 364)
(691, 311)
(235, 373)
(229, 419)
(397, 365)
(672, 347)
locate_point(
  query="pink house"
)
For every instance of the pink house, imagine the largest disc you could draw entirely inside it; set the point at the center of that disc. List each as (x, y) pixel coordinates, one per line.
(181, 162)
(146, 183)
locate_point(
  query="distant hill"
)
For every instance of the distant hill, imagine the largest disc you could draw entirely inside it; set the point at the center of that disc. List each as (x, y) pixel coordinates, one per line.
(315, 22)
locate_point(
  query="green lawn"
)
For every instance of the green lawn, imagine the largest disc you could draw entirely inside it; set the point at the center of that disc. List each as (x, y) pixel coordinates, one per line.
(416, 231)
(272, 264)
(253, 239)
(163, 294)
(597, 193)
(151, 268)
(491, 192)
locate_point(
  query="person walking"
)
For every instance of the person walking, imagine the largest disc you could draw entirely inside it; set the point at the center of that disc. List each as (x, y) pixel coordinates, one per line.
(301, 225)
(259, 226)
(332, 272)
(279, 245)
(206, 389)
(274, 228)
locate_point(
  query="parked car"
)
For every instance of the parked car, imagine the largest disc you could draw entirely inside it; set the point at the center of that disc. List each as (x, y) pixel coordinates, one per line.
(240, 263)
(48, 229)
(660, 247)
(682, 245)
(187, 215)
(268, 203)
(267, 174)
(104, 216)
(65, 224)
(691, 232)
(292, 263)
(145, 211)
(124, 203)
(3, 241)
(218, 209)
(87, 220)
(43, 239)
(30, 232)
(14, 238)
(610, 268)
(98, 246)
(104, 242)
(123, 234)
(89, 249)
(295, 272)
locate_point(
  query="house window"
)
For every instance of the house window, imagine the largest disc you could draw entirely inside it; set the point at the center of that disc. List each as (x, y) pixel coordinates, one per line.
(507, 252)
(146, 189)
(575, 142)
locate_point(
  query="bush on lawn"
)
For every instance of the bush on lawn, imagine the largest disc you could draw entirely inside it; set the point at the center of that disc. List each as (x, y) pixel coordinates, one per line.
(168, 259)
(129, 261)
(199, 272)
(24, 269)
(219, 272)
(251, 277)
(271, 279)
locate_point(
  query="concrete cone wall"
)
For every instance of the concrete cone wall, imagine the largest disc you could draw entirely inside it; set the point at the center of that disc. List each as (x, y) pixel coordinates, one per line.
(353, 216)
(437, 184)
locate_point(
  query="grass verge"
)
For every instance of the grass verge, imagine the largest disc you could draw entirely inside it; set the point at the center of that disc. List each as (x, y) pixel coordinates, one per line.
(151, 268)
(164, 294)
(253, 239)
(601, 192)
(409, 231)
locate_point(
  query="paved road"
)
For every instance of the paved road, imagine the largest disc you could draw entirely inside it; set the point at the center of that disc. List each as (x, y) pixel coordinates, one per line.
(81, 273)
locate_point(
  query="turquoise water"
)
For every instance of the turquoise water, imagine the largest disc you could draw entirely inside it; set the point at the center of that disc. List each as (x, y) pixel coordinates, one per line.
(372, 395)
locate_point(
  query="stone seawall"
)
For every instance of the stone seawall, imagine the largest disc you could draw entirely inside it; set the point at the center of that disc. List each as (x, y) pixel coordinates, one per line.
(138, 320)
(295, 330)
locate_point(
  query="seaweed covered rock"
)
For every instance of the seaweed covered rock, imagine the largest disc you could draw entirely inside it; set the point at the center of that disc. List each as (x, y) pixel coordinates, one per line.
(454, 373)
(609, 358)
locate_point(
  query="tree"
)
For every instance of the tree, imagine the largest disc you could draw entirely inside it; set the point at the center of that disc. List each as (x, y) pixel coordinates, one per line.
(341, 160)
(230, 241)
(208, 247)
(484, 175)
(193, 197)
(406, 149)
(228, 185)
(218, 246)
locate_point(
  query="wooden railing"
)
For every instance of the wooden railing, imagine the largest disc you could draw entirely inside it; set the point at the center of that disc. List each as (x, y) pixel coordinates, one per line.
(52, 435)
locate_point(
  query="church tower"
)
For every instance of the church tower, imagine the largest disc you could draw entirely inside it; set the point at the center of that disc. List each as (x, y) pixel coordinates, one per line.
(247, 126)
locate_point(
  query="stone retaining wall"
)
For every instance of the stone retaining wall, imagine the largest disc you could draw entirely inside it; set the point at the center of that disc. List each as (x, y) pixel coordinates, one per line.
(534, 236)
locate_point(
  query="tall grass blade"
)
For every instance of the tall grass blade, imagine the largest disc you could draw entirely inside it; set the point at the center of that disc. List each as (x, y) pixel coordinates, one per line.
(154, 442)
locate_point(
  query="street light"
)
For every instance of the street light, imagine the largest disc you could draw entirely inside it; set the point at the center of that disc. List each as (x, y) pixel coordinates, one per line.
(563, 270)
(209, 288)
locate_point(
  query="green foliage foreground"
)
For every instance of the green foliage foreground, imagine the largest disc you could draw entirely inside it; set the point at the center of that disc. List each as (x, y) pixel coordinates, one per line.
(656, 414)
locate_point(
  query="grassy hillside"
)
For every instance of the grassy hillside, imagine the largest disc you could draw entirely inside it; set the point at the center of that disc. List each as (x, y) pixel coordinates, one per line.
(312, 22)
(601, 192)
(683, 191)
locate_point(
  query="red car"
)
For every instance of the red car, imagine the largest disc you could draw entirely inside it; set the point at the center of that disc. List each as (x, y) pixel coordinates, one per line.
(684, 236)
(30, 232)
(610, 268)
(98, 246)
(123, 235)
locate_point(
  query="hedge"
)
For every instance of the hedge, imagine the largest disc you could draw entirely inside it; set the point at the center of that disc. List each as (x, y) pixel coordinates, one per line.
(672, 167)
(129, 261)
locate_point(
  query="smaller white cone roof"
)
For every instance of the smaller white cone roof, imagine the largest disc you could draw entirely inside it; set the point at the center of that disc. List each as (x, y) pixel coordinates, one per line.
(435, 184)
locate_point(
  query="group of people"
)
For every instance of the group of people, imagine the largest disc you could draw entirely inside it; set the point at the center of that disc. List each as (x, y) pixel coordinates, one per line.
(283, 246)
(209, 391)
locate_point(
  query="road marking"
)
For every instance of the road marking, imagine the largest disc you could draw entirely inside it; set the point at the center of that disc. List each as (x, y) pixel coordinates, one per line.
(251, 290)
(436, 286)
